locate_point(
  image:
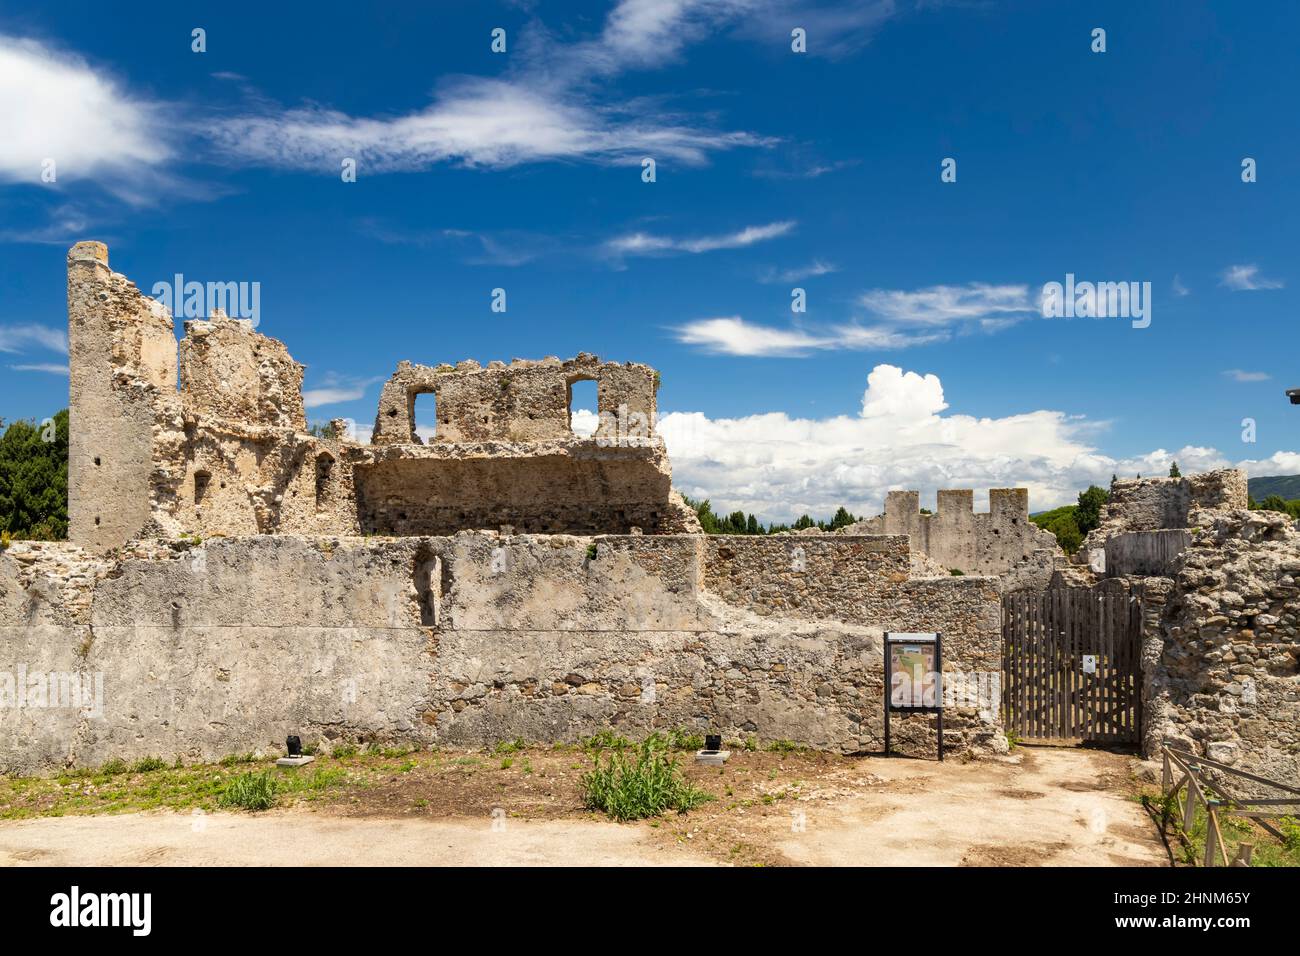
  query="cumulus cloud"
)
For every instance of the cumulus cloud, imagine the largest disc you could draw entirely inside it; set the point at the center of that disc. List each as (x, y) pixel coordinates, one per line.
(779, 467)
(1246, 278)
(57, 107)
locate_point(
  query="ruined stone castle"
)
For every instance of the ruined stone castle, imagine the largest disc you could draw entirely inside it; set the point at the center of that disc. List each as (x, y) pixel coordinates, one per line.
(233, 577)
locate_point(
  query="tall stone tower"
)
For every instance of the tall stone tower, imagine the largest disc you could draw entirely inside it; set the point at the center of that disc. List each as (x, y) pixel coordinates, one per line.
(122, 363)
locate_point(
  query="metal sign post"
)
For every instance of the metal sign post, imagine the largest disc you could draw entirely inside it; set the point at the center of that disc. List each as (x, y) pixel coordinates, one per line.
(920, 666)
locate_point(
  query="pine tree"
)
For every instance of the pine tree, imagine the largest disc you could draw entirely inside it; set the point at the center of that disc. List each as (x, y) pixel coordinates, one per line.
(34, 480)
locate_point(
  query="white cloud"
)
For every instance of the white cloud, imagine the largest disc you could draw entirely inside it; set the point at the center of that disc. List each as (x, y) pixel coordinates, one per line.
(55, 106)
(474, 122)
(644, 244)
(53, 368)
(1179, 289)
(18, 338)
(797, 274)
(1238, 375)
(779, 467)
(584, 422)
(948, 304)
(336, 389)
(732, 335)
(1246, 278)
(901, 319)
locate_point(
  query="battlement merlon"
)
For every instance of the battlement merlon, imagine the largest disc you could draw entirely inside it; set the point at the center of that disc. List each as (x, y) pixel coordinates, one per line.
(1009, 502)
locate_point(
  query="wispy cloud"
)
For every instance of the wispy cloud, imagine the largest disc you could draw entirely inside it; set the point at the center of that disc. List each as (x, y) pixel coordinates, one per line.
(799, 273)
(1246, 278)
(944, 305)
(893, 319)
(19, 338)
(53, 368)
(506, 248)
(1238, 375)
(336, 389)
(1178, 288)
(648, 244)
(732, 335)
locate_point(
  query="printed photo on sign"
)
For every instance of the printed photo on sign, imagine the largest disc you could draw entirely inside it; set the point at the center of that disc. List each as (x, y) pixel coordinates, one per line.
(913, 680)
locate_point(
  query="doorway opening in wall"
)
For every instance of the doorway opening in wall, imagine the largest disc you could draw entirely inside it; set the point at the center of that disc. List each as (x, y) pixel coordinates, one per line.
(324, 475)
(582, 407)
(424, 416)
(201, 481)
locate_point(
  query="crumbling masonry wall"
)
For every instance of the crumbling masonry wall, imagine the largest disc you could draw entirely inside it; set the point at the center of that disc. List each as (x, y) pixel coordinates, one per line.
(230, 645)
(1223, 645)
(229, 452)
(522, 401)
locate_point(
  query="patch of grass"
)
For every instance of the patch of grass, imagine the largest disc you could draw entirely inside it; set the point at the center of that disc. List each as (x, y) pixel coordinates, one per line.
(783, 747)
(639, 783)
(1013, 740)
(250, 791)
(346, 749)
(605, 740)
(506, 762)
(681, 739)
(591, 552)
(509, 746)
(230, 760)
(114, 767)
(146, 764)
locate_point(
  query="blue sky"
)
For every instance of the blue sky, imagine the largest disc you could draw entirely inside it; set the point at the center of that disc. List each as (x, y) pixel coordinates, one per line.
(774, 170)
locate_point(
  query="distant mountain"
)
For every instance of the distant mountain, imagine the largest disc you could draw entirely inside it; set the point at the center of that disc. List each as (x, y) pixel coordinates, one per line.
(1288, 486)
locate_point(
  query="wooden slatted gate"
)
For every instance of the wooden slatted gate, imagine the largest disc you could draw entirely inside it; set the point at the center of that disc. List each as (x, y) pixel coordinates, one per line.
(1046, 692)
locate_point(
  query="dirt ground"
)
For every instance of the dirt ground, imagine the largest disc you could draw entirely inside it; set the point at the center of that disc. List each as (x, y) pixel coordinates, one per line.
(1039, 806)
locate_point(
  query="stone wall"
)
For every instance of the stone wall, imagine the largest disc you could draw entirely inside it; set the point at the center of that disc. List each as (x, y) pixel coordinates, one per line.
(1145, 553)
(231, 373)
(122, 364)
(1152, 504)
(522, 401)
(230, 645)
(958, 538)
(229, 453)
(1225, 647)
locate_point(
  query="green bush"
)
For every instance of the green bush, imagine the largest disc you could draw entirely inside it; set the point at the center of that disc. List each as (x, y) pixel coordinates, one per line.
(644, 782)
(145, 764)
(249, 791)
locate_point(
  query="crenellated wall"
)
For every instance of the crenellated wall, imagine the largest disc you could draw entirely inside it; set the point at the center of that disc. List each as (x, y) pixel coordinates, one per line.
(957, 537)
